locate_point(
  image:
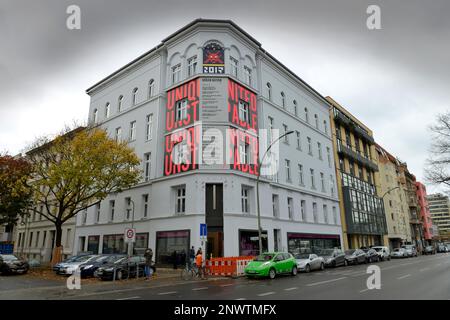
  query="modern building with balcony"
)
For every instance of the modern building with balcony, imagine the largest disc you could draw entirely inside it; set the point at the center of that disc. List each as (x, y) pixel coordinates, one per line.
(394, 198)
(415, 222)
(211, 82)
(440, 214)
(362, 210)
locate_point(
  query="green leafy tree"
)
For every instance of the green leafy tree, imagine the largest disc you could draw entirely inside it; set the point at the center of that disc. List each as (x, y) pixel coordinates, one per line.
(15, 196)
(77, 170)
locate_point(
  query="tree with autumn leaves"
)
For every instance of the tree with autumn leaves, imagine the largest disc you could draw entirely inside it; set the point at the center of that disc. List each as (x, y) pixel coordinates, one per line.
(74, 171)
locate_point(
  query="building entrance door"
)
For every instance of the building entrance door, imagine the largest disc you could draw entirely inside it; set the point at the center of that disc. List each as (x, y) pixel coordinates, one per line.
(214, 219)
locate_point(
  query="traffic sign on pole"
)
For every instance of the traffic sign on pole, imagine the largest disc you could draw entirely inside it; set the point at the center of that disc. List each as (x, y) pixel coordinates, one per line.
(203, 230)
(130, 235)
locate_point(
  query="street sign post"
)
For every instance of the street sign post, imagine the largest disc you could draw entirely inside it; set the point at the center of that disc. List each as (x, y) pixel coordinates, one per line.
(130, 235)
(203, 230)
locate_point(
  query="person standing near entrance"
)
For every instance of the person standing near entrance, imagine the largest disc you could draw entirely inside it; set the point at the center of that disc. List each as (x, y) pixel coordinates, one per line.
(148, 255)
(199, 263)
(191, 257)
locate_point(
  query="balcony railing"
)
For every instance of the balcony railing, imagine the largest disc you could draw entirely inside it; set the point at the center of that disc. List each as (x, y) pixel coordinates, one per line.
(347, 122)
(356, 156)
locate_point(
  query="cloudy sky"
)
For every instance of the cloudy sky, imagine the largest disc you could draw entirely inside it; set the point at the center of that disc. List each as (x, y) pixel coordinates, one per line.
(395, 79)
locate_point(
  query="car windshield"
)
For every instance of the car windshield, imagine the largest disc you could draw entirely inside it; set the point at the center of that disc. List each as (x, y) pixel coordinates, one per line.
(377, 249)
(9, 257)
(349, 252)
(102, 258)
(397, 249)
(264, 257)
(120, 260)
(82, 258)
(302, 256)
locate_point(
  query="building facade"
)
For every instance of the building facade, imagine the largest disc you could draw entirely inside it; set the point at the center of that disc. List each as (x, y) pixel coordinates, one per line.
(415, 222)
(362, 212)
(193, 108)
(440, 213)
(425, 215)
(395, 202)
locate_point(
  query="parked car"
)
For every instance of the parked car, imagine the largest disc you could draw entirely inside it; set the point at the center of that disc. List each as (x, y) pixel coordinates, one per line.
(9, 263)
(333, 257)
(442, 248)
(125, 267)
(429, 250)
(372, 255)
(69, 268)
(399, 253)
(309, 261)
(87, 269)
(271, 264)
(58, 265)
(410, 250)
(355, 256)
(383, 252)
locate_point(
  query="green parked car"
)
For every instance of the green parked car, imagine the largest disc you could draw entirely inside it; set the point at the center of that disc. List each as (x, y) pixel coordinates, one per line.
(270, 264)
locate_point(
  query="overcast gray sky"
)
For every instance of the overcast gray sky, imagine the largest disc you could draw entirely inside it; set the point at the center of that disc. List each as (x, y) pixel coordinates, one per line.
(395, 80)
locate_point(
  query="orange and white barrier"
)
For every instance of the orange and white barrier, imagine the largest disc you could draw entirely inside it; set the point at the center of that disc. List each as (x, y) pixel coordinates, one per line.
(230, 266)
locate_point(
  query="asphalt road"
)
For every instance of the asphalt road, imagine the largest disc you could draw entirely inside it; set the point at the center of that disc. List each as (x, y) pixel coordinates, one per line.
(425, 277)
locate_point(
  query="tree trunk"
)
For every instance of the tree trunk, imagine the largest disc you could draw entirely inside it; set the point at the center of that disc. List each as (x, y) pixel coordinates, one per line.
(58, 249)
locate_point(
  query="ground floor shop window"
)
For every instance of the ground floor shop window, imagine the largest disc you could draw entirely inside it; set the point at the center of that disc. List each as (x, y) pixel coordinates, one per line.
(141, 243)
(93, 244)
(311, 243)
(113, 243)
(249, 242)
(172, 246)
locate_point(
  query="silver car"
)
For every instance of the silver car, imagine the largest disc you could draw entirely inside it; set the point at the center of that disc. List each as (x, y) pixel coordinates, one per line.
(410, 249)
(70, 267)
(309, 261)
(383, 252)
(399, 253)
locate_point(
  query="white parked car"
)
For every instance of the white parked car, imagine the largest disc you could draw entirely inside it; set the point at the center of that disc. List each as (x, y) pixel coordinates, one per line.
(399, 253)
(309, 261)
(69, 268)
(383, 252)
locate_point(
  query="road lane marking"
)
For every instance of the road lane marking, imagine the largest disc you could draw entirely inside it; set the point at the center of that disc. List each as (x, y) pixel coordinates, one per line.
(290, 289)
(129, 298)
(226, 285)
(165, 293)
(424, 269)
(266, 294)
(364, 290)
(323, 282)
(403, 277)
(202, 288)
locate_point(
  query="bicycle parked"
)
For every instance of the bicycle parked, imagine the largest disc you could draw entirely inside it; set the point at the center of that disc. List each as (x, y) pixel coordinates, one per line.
(191, 272)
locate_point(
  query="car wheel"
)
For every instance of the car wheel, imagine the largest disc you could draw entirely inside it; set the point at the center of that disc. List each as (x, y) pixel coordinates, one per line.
(119, 275)
(294, 270)
(272, 273)
(322, 266)
(307, 268)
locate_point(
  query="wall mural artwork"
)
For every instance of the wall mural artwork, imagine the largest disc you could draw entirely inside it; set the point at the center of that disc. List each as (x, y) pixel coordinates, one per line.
(213, 59)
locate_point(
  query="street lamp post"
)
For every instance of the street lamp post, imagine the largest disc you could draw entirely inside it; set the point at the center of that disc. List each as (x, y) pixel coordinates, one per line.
(257, 187)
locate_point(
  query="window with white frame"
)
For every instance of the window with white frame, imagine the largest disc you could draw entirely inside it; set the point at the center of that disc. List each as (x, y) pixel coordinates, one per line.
(269, 91)
(151, 88)
(325, 126)
(180, 203)
(107, 109)
(147, 166)
(315, 213)
(307, 115)
(299, 141)
(313, 181)
(181, 110)
(303, 209)
(245, 192)
(335, 217)
(325, 213)
(97, 211)
(309, 146)
(234, 66)
(192, 66)
(301, 180)
(329, 157)
(119, 103)
(176, 73)
(322, 182)
(283, 100)
(319, 150)
(270, 130)
(149, 127)
(179, 153)
(112, 205)
(244, 114)
(316, 119)
(295, 107)
(84, 216)
(95, 116)
(134, 97)
(248, 75)
(132, 130)
(244, 153)
(275, 205)
(145, 203)
(290, 203)
(128, 208)
(118, 134)
(332, 185)
(286, 137)
(287, 164)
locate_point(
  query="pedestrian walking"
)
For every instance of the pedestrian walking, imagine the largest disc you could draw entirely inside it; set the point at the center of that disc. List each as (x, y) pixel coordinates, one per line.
(148, 255)
(191, 257)
(199, 263)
